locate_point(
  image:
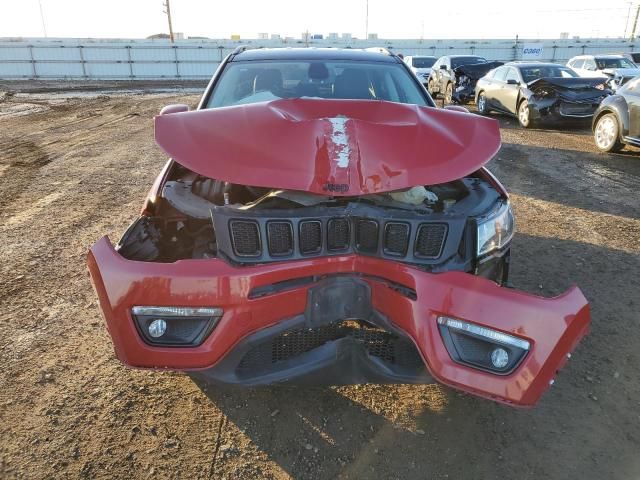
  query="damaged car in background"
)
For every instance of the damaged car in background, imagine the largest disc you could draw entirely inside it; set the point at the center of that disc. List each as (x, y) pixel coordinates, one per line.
(466, 78)
(352, 237)
(540, 92)
(444, 80)
(616, 69)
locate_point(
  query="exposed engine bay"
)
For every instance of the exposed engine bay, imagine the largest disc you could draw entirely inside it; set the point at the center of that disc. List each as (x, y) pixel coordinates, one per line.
(198, 217)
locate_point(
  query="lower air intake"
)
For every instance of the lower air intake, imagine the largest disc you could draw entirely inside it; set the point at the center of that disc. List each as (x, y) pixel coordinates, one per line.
(367, 235)
(379, 343)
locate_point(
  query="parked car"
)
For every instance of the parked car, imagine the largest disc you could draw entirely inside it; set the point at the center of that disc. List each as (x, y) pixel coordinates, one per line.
(353, 236)
(421, 66)
(442, 79)
(618, 69)
(634, 57)
(534, 92)
(467, 77)
(616, 122)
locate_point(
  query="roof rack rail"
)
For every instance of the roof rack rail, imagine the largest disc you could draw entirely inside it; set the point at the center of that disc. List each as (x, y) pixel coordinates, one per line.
(240, 49)
(383, 50)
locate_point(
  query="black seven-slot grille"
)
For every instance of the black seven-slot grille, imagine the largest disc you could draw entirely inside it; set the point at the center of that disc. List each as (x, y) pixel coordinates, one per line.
(272, 235)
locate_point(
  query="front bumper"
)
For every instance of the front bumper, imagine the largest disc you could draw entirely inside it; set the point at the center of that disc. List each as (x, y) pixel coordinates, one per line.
(402, 299)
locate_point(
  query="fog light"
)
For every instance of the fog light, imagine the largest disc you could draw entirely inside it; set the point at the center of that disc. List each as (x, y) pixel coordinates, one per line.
(482, 347)
(175, 326)
(499, 358)
(157, 328)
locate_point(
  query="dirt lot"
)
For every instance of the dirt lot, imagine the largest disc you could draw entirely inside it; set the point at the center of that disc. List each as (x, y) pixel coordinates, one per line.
(74, 169)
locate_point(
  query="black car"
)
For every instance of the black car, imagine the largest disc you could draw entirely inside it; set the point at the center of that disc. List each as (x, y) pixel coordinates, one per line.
(536, 92)
(616, 122)
(443, 77)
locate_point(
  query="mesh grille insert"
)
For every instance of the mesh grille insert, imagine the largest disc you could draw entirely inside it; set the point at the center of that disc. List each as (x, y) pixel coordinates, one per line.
(246, 238)
(292, 343)
(430, 239)
(396, 238)
(367, 235)
(280, 236)
(338, 234)
(310, 237)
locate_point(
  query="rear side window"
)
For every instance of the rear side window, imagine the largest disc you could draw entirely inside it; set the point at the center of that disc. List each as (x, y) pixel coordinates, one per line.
(578, 63)
(512, 75)
(500, 74)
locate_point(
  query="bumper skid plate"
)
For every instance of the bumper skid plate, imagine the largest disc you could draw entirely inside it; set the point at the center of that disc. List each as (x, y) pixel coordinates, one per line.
(354, 319)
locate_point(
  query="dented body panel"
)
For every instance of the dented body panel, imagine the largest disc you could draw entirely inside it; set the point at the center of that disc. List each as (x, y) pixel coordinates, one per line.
(554, 326)
(342, 147)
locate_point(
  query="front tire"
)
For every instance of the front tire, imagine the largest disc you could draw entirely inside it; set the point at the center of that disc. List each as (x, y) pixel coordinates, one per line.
(431, 90)
(448, 94)
(606, 134)
(482, 104)
(524, 115)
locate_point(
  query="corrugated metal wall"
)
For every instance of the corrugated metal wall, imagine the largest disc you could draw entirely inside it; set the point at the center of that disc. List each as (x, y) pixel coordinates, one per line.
(80, 59)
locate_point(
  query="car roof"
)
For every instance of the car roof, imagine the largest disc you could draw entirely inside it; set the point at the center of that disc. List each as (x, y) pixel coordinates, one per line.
(532, 64)
(314, 54)
(610, 55)
(420, 56)
(459, 56)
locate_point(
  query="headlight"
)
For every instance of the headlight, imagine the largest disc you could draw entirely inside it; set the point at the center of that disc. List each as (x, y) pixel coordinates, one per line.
(496, 230)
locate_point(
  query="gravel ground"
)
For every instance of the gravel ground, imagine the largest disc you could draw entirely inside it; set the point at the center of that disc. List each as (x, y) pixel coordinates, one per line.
(73, 169)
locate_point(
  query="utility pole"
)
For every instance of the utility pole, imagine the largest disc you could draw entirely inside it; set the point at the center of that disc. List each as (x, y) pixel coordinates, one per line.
(168, 12)
(635, 23)
(44, 27)
(366, 21)
(626, 22)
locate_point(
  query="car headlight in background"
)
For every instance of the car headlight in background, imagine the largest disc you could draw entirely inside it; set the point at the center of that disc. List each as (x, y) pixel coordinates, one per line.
(482, 347)
(496, 230)
(175, 326)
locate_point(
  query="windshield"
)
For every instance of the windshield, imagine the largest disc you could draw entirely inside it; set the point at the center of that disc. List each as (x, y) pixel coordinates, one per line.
(423, 62)
(459, 61)
(614, 63)
(529, 74)
(261, 81)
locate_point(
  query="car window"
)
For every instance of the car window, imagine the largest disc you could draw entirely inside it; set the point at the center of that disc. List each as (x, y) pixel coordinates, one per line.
(260, 81)
(578, 63)
(459, 61)
(589, 64)
(500, 74)
(422, 62)
(614, 63)
(529, 74)
(512, 75)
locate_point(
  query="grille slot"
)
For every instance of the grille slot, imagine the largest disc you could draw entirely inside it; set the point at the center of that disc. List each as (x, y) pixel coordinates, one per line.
(246, 238)
(292, 343)
(280, 238)
(367, 235)
(430, 240)
(310, 237)
(396, 238)
(338, 234)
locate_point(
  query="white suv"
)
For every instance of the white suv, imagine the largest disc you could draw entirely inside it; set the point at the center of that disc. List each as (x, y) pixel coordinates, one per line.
(421, 66)
(618, 68)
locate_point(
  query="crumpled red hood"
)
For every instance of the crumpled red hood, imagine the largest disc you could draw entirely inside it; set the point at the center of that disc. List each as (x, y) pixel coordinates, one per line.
(337, 147)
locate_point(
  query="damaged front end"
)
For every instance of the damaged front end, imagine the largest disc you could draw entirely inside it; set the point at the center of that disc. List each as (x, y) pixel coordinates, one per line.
(466, 78)
(556, 99)
(331, 242)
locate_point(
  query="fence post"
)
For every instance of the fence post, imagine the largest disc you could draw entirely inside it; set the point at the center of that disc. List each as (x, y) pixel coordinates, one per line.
(175, 55)
(82, 62)
(128, 47)
(515, 49)
(33, 62)
(553, 58)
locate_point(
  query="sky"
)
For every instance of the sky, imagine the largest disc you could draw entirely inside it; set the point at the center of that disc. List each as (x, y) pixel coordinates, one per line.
(464, 19)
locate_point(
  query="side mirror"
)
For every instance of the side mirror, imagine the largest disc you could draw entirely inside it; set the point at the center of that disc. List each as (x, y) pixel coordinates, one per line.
(456, 108)
(174, 108)
(513, 81)
(443, 67)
